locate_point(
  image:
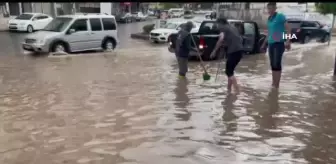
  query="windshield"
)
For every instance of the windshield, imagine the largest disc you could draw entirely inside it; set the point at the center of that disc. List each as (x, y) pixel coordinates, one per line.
(24, 17)
(58, 24)
(175, 11)
(170, 26)
(294, 24)
(187, 12)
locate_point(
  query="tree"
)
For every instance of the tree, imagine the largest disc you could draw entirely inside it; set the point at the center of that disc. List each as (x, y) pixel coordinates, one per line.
(328, 8)
(167, 6)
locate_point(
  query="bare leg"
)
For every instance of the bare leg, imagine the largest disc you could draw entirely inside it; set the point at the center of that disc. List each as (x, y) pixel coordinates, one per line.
(235, 84)
(276, 76)
(229, 85)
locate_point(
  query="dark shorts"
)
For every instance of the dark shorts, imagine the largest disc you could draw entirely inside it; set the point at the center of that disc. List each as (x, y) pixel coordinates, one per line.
(232, 61)
(183, 65)
(275, 51)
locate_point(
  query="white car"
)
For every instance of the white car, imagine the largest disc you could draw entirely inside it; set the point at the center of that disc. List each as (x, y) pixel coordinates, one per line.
(139, 16)
(29, 22)
(161, 35)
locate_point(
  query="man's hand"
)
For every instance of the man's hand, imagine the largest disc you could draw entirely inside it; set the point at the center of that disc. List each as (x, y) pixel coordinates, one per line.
(213, 54)
(288, 45)
(263, 47)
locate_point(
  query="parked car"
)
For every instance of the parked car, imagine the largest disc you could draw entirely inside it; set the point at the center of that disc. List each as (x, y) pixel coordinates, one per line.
(161, 35)
(176, 12)
(125, 18)
(307, 30)
(71, 33)
(207, 36)
(188, 14)
(29, 22)
(139, 16)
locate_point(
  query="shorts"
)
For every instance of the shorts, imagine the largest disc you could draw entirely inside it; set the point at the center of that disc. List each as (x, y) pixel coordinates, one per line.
(232, 61)
(183, 65)
(275, 51)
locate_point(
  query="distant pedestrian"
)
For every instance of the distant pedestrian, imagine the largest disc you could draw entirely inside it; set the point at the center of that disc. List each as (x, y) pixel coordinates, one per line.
(276, 25)
(183, 47)
(231, 38)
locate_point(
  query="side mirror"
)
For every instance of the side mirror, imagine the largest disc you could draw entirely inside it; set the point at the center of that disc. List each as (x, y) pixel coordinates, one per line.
(34, 19)
(71, 31)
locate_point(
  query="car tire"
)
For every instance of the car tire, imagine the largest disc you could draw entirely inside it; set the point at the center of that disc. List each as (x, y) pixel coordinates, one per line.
(30, 29)
(108, 45)
(59, 47)
(305, 39)
(325, 38)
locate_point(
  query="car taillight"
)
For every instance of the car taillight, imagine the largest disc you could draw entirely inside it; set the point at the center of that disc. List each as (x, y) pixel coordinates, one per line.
(298, 30)
(201, 43)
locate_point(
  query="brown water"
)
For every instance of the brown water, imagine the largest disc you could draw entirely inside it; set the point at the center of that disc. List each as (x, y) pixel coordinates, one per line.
(129, 108)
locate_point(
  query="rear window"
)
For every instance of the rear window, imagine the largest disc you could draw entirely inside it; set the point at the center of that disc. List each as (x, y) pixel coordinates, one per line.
(109, 24)
(209, 28)
(294, 24)
(24, 17)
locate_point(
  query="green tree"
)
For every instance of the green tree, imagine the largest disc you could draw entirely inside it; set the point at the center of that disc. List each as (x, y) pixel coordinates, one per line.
(328, 8)
(167, 6)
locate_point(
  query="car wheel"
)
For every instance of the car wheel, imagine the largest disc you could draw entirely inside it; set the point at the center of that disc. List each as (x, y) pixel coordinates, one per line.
(325, 38)
(59, 47)
(157, 42)
(30, 29)
(108, 45)
(305, 39)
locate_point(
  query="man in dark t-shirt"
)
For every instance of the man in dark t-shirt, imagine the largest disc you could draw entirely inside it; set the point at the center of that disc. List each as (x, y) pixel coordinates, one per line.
(231, 38)
(183, 47)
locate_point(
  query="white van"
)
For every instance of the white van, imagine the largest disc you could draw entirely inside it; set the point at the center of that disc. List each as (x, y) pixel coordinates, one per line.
(73, 33)
(176, 12)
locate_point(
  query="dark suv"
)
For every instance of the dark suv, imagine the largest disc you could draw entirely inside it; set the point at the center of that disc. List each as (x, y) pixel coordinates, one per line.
(307, 30)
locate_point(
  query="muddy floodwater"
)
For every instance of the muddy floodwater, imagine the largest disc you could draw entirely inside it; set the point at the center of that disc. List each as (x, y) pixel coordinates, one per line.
(128, 107)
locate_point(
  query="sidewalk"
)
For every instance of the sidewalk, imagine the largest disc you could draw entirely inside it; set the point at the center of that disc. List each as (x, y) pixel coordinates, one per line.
(4, 23)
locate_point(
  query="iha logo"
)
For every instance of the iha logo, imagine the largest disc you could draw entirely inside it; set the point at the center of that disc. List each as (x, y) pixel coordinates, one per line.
(283, 36)
(288, 36)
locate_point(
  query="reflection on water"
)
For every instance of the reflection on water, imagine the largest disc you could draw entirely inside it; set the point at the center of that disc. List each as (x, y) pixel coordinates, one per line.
(129, 108)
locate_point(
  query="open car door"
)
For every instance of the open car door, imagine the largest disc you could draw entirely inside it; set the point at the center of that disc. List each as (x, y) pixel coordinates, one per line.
(250, 37)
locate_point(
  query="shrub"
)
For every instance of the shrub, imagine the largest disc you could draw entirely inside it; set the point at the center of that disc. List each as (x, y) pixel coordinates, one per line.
(148, 28)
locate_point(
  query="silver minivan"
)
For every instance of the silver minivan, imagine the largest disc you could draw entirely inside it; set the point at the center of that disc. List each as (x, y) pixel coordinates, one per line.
(73, 33)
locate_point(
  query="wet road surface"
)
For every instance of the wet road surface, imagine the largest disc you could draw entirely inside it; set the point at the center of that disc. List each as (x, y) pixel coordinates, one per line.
(128, 107)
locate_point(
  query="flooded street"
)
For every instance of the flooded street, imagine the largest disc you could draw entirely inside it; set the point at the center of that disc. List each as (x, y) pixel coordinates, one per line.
(128, 107)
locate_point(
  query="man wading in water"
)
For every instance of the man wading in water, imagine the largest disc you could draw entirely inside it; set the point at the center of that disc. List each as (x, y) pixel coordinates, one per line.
(230, 36)
(276, 25)
(183, 47)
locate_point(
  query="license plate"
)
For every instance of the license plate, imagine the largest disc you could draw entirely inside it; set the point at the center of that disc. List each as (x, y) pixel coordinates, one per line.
(27, 47)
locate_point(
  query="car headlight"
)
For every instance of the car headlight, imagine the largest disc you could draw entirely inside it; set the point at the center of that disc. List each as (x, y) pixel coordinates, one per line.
(41, 41)
(165, 33)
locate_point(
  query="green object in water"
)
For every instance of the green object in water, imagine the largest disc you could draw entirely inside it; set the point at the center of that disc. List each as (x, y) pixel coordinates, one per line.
(206, 76)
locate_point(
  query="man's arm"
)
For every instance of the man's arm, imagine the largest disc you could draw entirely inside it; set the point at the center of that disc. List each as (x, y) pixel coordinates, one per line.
(288, 29)
(219, 41)
(188, 42)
